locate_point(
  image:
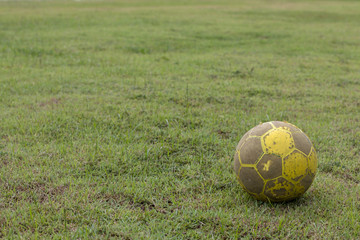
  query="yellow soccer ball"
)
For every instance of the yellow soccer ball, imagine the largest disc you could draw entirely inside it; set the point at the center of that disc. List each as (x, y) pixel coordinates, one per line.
(275, 161)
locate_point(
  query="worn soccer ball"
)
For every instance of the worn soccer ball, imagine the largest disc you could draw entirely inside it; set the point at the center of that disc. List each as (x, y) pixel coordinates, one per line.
(275, 161)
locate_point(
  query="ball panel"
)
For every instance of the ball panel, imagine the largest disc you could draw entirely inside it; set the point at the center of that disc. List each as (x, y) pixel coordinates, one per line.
(251, 151)
(313, 162)
(238, 178)
(295, 165)
(242, 140)
(285, 126)
(262, 197)
(280, 189)
(307, 181)
(270, 166)
(237, 161)
(251, 180)
(261, 129)
(278, 142)
(302, 142)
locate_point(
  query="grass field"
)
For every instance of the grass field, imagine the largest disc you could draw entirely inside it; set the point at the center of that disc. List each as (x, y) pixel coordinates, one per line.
(120, 119)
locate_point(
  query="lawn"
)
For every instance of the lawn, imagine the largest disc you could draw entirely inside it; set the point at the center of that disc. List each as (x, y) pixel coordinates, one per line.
(120, 119)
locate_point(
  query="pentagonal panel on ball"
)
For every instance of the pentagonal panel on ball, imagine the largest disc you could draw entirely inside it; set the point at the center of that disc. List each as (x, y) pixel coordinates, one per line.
(279, 189)
(295, 165)
(286, 126)
(302, 142)
(278, 142)
(251, 151)
(270, 166)
(261, 129)
(251, 180)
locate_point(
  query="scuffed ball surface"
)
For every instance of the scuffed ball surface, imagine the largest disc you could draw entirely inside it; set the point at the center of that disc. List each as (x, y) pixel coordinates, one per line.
(275, 161)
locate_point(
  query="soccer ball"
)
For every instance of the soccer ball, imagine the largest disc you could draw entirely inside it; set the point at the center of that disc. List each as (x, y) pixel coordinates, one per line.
(275, 161)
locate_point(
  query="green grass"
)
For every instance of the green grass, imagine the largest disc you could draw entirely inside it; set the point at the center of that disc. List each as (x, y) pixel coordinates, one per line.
(120, 119)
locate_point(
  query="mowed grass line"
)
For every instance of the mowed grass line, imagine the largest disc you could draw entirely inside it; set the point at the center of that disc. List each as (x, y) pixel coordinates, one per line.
(119, 119)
